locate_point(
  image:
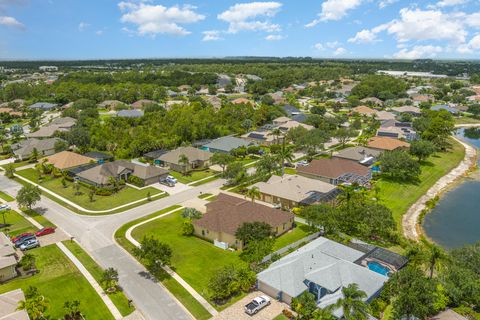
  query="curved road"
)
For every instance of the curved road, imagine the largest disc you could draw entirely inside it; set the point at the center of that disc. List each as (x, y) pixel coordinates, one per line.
(96, 235)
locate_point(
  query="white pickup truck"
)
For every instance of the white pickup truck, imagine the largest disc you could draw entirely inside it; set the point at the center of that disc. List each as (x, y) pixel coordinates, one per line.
(256, 305)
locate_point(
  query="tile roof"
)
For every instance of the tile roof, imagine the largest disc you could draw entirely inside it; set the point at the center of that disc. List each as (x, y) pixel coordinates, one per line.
(141, 103)
(67, 159)
(357, 153)
(227, 213)
(363, 110)
(193, 154)
(385, 143)
(333, 168)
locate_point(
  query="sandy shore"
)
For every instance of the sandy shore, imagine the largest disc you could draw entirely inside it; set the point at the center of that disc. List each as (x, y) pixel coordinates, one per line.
(411, 229)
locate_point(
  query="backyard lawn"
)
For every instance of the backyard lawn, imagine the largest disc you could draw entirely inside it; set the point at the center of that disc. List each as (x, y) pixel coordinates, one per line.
(17, 224)
(299, 232)
(399, 196)
(124, 196)
(193, 175)
(118, 298)
(60, 281)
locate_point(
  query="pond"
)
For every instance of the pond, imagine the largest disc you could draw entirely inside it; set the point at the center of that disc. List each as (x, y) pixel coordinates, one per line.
(455, 221)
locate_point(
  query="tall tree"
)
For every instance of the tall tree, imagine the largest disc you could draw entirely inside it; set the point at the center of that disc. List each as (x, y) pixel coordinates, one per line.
(27, 196)
(253, 193)
(352, 304)
(253, 231)
(222, 159)
(184, 161)
(155, 253)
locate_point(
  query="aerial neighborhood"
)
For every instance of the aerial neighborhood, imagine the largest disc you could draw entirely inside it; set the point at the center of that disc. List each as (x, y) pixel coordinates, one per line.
(282, 189)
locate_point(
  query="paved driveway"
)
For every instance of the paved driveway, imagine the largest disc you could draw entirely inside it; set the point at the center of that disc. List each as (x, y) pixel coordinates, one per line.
(179, 187)
(236, 311)
(58, 236)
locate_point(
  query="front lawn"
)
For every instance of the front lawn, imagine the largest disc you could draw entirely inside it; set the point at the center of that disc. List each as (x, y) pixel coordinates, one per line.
(16, 224)
(60, 281)
(193, 175)
(39, 218)
(399, 196)
(124, 196)
(6, 197)
(118, 298)
(299, 232)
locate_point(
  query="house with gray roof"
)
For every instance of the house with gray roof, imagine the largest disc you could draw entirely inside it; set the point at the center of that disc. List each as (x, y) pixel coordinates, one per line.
(197, 159)
(24, 149)
(58, 124)
(322, 267)
(226, 144)
(446, 107)
(135, 113)
(44, 106)
(363, 155)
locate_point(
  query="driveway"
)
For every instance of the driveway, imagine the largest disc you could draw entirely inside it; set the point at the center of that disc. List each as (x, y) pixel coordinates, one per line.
(236, 311)
(96, 235)
(58, 236)
(179, 187)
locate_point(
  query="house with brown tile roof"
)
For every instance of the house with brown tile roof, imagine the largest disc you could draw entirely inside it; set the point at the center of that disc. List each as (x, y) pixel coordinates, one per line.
(141, 103)
(67, 160)
(364, 110)
(336, 171)
(227, 213)
(386, 143)
(242, 101)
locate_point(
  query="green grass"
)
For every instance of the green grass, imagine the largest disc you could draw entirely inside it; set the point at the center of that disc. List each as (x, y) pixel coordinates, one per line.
(466, 120)
(18, 164)
(59, 281)
(290, 171)
(193, 175)
(118, 298)
(194, 259)
(212, 178)
(399, 196)
(300, 232)
(205, 195)
(195, 308)
(6, 197)
(280, 317)
(39, 218)
(17, 224)
(124, 196)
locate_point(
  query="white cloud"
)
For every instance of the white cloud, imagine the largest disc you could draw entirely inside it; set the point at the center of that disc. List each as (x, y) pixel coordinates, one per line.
(152, 19)
(211, 35)
(246, 16)
(473, 20)
(418, 52)
(334, 10)
(99, 32)
(11, 22)
(385, 3)
(82, 26)
(364, 36)
(470, 47)
(449, 3)
(340, 51)
(332, 44)
(319, 47)
(274, 37)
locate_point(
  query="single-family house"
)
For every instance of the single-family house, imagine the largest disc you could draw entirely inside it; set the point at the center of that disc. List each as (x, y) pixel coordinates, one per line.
(110, 104)
(101, 175)
(24, 149)
(322, 267)
(414, 111)
(419, 98)
(292, 191)
(446, 107)
(384, 116)
(264, 137)
(67, 160)
(44, 106)
(8, 261)
(135, 113)
(226, 144)
(215, 101)
(57, 125)
(227, 213)
(387, 143)
(291, 124)
(99, 157)
(242, 101)
(336, 171)
(197, 159)
(363, 155)
(397, 132)
(9, 306)
(372, 100)
(364, 111)
(141, 103)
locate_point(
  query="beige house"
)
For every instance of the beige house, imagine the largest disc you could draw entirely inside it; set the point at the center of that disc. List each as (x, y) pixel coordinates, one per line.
(336, 171)
(9, 306)
(8, 259)
(292, 191)
(226, 214)
(197, 159)
(66, 160)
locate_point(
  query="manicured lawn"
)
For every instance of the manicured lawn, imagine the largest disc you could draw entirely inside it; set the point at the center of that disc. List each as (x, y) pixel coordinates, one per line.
(124, 196)
(6, 197)
(17, 224)
(466, 120)
(300, 232)
(118, 298)
(399, 196)
(194, 259)
(60, 281)
(18, 164)
(171, 284)
(280, 317)
(210, 179)
(39, 218)
(290, 171)
(193, 175)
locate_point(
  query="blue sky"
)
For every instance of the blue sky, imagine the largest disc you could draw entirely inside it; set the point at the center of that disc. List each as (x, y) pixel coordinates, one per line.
(87, 29)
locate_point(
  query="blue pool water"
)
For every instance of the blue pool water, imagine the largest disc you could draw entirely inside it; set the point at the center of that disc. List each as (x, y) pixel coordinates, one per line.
(378, 268)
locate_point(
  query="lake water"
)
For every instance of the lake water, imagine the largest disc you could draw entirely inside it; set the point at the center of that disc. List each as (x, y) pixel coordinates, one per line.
(455, 221)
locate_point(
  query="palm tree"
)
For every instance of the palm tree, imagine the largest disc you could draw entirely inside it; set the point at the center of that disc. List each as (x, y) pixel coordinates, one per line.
(35, 304)
(276, 132)
(352, 304)
(4, 211)
(285, 154)
(253, 193)
(435, 255)
(184, 161)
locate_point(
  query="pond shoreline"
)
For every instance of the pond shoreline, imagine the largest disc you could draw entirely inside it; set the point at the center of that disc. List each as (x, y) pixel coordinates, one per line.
(411, 225)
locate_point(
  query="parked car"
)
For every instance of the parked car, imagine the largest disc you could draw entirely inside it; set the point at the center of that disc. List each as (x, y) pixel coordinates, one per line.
(256, 305)
(45, 231)
(169, 181)
(30, 244)
(20, 236)
(172, 178)
(21, 241)
(302, 163)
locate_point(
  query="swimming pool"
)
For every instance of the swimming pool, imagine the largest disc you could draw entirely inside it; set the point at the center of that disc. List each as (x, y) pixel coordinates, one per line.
(378, 268)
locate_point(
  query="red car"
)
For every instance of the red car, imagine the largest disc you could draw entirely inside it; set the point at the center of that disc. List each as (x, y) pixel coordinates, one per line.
(18, 237)
(45, 231)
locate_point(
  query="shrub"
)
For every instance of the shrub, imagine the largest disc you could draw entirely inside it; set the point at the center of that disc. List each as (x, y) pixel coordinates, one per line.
(136, 181)
(103, 192)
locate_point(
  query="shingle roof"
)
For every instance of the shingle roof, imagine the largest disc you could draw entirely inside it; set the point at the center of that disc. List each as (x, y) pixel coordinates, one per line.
(9, 304)
(333, 168)
(130, 113)
(385, 143)
(357, 153)
(25, 148)
(67, 159)
(8, 261)
(228, 213)
(295, 188)
(227, 143)
(43, 105)
(193, 154)
(407, 109)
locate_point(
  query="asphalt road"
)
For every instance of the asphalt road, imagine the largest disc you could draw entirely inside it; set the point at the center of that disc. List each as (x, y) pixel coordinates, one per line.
(96, 235)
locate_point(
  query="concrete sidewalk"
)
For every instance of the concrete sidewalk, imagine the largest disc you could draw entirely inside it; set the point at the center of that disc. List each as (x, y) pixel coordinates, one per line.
(106, 299)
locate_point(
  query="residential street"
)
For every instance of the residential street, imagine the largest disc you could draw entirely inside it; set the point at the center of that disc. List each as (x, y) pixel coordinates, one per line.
(95, 234)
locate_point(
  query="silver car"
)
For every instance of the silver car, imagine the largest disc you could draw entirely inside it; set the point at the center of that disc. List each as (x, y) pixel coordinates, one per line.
(30, 244)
